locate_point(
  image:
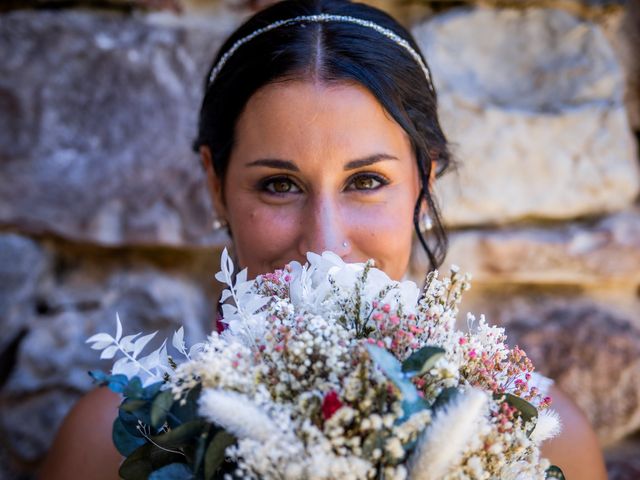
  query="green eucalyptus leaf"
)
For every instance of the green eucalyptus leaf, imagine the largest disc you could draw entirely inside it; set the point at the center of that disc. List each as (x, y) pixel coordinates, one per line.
(160, 408)
(196, 457)
(133, 405)
(129, 422)
(124, 440)
(134, 389)
(421, 361)
(392, 368)
(99, 377)
(150, 391)
(446, 396)
(555, 472)
(173, 471)
(182, 413)
(138, 409)
(144, 460)
(527, 411)
(215, 453)
(180, 436)
(116, 383)
(409, 408)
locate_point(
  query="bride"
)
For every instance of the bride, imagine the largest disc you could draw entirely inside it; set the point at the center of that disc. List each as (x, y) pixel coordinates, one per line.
(317, 133)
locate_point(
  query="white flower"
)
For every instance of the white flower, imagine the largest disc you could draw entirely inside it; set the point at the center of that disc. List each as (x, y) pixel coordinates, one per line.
(395, 449)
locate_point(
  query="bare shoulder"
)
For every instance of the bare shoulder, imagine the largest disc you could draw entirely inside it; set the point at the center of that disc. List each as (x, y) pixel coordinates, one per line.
(83, 444)
(576, 450)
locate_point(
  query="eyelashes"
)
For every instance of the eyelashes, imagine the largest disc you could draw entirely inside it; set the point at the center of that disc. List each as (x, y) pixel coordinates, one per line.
(283, 185)
(279, 185)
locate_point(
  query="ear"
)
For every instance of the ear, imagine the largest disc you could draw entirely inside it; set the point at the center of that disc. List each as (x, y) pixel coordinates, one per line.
(214, 183)
(432, 175)
(434, 157)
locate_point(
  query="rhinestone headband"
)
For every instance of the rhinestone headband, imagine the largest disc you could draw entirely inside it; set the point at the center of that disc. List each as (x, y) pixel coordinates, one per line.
(323, 17)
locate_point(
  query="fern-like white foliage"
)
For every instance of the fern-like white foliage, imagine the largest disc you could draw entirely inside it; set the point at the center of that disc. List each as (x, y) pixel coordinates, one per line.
(242, 316)
(152, 367)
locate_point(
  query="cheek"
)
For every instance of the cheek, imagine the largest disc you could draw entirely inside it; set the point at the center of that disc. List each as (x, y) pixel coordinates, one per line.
(263, 236)
(384, 232)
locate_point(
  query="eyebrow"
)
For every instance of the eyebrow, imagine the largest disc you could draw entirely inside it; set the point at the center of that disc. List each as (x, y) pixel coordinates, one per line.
(352, 165)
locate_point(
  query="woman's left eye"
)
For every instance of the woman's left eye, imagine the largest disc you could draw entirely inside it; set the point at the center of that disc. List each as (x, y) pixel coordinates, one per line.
(366, 182)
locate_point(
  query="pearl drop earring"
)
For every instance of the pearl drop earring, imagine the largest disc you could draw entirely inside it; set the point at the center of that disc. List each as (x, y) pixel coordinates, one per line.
(345, 244)
(426, 223)
(218, 224)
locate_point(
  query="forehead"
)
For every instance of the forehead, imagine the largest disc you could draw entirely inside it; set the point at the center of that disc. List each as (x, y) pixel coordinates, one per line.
(296, 117)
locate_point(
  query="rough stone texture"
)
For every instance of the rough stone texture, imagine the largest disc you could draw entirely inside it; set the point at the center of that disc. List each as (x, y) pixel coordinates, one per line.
(22, 264)
(593, 353)
(100, 112)
(88, 152)
(599, 251)
(78, 296)
(626, 41)
(623, 461)
(534, 108)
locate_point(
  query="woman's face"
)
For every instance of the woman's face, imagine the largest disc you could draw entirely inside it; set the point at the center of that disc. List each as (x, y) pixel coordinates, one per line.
(315, 166)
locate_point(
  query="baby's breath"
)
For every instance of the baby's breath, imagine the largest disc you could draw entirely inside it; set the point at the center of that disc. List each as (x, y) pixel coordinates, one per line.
(294, 380)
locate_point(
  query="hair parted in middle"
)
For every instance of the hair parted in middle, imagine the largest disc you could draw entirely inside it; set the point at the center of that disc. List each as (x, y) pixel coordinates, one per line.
(331, 52)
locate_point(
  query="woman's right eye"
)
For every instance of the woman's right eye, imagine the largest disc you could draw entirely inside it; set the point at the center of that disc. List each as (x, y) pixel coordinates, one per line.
(280, 186)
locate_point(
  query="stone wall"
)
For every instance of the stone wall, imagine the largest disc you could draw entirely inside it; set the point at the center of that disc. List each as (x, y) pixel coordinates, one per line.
(103, 207)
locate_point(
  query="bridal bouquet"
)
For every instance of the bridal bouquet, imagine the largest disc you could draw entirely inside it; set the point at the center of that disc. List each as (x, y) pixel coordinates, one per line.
(331, 370)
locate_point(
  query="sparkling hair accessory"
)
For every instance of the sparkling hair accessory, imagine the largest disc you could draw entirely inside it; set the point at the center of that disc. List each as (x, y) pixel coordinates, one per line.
(324, 17)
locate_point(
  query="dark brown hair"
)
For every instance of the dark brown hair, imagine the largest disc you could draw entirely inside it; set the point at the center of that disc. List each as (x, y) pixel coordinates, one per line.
(330, 52)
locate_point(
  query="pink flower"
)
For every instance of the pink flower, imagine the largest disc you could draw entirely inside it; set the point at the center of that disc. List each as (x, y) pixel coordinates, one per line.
(330, 404)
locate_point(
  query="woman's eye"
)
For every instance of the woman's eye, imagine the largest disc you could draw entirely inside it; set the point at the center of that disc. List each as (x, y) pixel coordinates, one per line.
(280, 186)
(367, 182)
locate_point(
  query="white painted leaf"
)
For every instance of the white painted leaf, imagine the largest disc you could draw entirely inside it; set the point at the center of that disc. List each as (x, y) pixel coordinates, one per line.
(229, 311)
(178, 340)
(140, 343)
(256, 303)
(151, 360)
(241, 277)
(127, 342)
(226, 269)
(100, 337)
(109, 352)
(151, 380)
(125, 367)
(118, 327)
(228, 263)
(101, 345)
(198, 347)
(225, 295)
